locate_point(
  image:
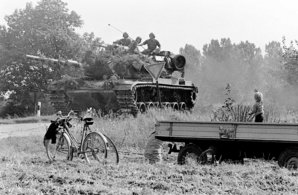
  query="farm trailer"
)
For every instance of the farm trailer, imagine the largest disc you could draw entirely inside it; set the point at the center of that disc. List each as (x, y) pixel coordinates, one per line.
(217, 141)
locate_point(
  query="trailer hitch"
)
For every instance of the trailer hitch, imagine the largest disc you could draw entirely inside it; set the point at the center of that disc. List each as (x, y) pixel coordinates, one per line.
(172, 148)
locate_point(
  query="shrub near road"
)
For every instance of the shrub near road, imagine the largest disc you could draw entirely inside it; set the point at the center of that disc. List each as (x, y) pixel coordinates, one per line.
(24, 168)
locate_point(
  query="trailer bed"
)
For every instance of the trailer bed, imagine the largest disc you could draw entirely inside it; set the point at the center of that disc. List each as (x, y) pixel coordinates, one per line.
(181, 131)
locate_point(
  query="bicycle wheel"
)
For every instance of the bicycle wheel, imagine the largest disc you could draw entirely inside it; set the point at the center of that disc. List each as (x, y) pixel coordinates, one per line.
(94, 148)
(59, 150)
(112, 152)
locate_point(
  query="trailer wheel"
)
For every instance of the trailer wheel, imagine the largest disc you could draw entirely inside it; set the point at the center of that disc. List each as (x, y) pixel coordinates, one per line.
(289, 159)
(153, 149)
(189, 153)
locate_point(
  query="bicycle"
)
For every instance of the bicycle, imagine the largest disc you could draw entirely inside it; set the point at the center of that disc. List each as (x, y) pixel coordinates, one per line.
(92, 146)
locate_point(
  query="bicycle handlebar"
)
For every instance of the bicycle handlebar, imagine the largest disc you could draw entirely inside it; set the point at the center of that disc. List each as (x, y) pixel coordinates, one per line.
(59, 113)
(71, 113)
(67, 117)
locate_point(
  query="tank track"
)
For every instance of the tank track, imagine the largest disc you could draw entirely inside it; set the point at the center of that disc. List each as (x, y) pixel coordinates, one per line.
(131, 102)
(126, 101)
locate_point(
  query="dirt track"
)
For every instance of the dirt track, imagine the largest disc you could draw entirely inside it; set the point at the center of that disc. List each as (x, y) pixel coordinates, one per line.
(25, 129)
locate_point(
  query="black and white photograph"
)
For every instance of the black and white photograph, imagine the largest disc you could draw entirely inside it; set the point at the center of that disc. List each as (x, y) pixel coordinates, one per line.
(148, 97)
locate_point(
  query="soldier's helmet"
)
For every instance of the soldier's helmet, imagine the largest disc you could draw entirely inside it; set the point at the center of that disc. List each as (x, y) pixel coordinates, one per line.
(151, 35)
(125, 35)
(139, 39)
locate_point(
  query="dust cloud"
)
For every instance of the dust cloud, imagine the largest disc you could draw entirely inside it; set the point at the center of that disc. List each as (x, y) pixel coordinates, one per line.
(212, 75)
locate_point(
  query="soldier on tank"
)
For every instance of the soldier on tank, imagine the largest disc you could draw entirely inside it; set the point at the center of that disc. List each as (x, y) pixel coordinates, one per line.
(125, 41)
(153, 45)
(133, 47)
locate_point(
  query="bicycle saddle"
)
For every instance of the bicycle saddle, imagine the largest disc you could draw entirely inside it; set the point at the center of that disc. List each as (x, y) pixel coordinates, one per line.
(88, 120)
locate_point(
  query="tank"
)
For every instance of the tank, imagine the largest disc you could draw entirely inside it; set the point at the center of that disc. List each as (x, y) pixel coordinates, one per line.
(129, 88)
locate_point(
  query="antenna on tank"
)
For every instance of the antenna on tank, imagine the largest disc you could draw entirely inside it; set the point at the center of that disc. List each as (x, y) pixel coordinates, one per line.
(115, 28)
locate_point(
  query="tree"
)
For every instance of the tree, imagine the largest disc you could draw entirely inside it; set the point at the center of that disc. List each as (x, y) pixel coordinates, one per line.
(290, 57)
(47, 29)
(250, 59)
(92, 44)
(21, 78)
(193, 61)
(274, 61)
(218, 50)
(274, 74)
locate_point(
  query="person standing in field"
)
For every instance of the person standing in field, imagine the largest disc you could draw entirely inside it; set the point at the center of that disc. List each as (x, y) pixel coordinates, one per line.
(153, 45)
(258, 108)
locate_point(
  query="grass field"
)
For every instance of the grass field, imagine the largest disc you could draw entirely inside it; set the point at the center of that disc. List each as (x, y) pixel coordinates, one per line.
(24, 168)
(31, 119)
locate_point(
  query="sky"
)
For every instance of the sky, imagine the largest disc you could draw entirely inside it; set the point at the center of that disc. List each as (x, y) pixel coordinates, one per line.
(179, 22)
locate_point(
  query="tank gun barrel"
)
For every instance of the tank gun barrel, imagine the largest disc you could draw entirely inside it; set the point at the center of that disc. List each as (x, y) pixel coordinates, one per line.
(72, 62)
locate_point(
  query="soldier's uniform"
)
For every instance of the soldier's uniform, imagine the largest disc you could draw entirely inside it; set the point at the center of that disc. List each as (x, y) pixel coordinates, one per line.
(151, 43)
(133, 47)
(125, 41)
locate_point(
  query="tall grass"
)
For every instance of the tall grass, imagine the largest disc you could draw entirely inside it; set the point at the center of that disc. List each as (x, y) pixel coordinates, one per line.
(128, 131)
(239, 112)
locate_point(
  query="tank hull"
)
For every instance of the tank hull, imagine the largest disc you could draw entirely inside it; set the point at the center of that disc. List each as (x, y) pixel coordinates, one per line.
(128, 96)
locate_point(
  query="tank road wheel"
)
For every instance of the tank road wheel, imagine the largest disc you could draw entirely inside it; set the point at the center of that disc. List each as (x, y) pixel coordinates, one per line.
(175, 106)
(193, 98)
(289, 159)
(150, 105)
(182, 106)
(156, 104)
(166, 105)
(190, 154)
(142, 107)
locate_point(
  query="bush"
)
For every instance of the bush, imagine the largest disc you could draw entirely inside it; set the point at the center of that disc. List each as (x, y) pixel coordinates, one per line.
(18, 106)
(98, 69)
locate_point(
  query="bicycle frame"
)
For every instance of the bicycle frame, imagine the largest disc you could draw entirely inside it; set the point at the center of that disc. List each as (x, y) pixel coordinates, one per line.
(73, 141)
